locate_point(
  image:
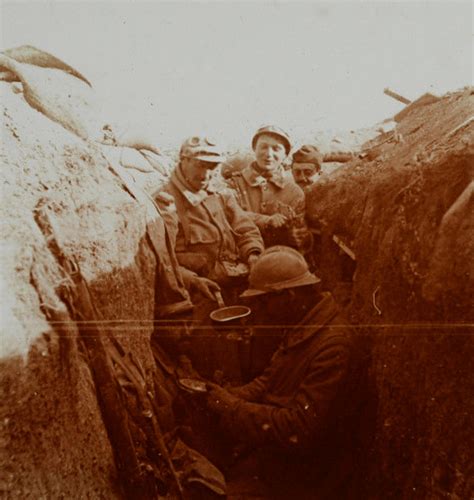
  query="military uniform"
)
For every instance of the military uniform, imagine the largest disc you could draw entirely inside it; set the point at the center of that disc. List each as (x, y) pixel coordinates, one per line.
(172, 295)
(300, 415)
(261, 197)
(214, 237)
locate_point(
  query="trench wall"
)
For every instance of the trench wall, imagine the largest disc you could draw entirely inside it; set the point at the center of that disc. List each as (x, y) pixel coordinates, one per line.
(54, 442)
(405, 208)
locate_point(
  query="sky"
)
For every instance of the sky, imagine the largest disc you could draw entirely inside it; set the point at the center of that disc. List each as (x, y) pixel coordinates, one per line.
(171, 70)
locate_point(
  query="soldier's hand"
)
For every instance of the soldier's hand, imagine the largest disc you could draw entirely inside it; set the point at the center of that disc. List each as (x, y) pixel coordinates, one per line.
(253, 257)
(218, 399)
(205, 286)
(299, 237)
(277, 220)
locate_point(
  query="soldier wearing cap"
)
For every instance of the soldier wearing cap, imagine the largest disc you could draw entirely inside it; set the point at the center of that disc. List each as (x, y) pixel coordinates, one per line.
(299, 419)
(272, 199)
(216, 241)
(215, 238)
(306, 165)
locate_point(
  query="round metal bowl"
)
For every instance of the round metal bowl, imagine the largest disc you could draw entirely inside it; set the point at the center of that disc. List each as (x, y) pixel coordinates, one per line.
(229, 313)
(192, 385)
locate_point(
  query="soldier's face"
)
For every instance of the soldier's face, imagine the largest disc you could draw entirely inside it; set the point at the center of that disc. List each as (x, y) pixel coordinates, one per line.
(197, 172)
(273, 308)
(304, 173)
(269, 152)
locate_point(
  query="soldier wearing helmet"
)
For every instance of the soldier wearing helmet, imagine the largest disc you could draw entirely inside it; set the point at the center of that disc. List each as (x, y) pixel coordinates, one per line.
(216, 242)
(299, 416)
(272, 199)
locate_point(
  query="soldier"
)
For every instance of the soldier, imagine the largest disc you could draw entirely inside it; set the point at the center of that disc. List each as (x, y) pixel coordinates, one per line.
(214, 237)
(306, 169)
(216, 241)
(299, 420)
(306, 165)
(274, 201)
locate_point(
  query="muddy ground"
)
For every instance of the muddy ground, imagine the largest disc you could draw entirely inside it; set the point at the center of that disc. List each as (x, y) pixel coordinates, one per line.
(403, 208)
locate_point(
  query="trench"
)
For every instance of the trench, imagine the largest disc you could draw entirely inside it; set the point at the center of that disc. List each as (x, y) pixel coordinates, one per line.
(89, 411)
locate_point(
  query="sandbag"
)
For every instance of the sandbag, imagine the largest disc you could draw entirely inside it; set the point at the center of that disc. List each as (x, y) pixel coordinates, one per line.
(31, 55)
(61, 97)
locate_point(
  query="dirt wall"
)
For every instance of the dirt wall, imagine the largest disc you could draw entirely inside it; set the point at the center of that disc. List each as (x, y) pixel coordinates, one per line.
(405, 208)
(55, 443)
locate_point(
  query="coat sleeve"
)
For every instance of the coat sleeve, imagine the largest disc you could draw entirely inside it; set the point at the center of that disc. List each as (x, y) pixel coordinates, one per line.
(304, 241)
(247, 234)
(172, 295)
(253, 391)
(165, 201)
(188, 276)
(299, 424)
(298, 201)
(261, 220)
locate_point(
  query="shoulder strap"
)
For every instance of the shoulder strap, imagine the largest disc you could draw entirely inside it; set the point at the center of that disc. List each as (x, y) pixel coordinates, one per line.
(241, 191)
(181, 212)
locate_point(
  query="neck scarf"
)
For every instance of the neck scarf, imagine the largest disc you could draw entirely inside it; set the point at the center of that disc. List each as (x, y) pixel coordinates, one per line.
(193, 197)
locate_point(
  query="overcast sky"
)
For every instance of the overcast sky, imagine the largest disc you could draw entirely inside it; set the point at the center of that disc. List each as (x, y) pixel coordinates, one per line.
(175, 69)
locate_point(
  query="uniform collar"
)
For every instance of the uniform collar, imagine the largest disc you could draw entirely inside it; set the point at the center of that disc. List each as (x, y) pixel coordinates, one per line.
(195, 199)
(254, 178)
(315, 320)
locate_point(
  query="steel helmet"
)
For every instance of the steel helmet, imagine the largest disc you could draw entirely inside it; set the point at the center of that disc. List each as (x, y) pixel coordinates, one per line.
(277, 268)
(273, 130)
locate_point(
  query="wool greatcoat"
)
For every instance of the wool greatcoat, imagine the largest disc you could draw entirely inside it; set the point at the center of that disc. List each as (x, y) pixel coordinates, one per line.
(301, 415)
(213, 238)
(262, 197)
(214, 235)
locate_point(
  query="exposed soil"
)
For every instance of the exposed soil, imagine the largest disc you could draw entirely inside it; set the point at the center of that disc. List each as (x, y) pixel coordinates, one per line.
(55, 444)
(405, 208)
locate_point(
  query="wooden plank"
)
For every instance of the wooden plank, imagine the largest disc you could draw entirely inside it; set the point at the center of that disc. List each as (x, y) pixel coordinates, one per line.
(343, 247)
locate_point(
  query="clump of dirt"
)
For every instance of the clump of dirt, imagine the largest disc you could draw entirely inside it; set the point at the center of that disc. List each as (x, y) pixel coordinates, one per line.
(405, 208)
(333, 141)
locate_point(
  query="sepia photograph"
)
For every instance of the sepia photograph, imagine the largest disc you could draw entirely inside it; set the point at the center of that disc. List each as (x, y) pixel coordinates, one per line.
(237, 250)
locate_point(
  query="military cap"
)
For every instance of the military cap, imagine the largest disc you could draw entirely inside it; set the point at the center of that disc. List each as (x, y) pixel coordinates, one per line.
(308, 154)
(201, 148)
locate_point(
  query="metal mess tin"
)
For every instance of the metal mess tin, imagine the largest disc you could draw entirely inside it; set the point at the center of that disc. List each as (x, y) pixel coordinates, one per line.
(230, 313)
(192, 385)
